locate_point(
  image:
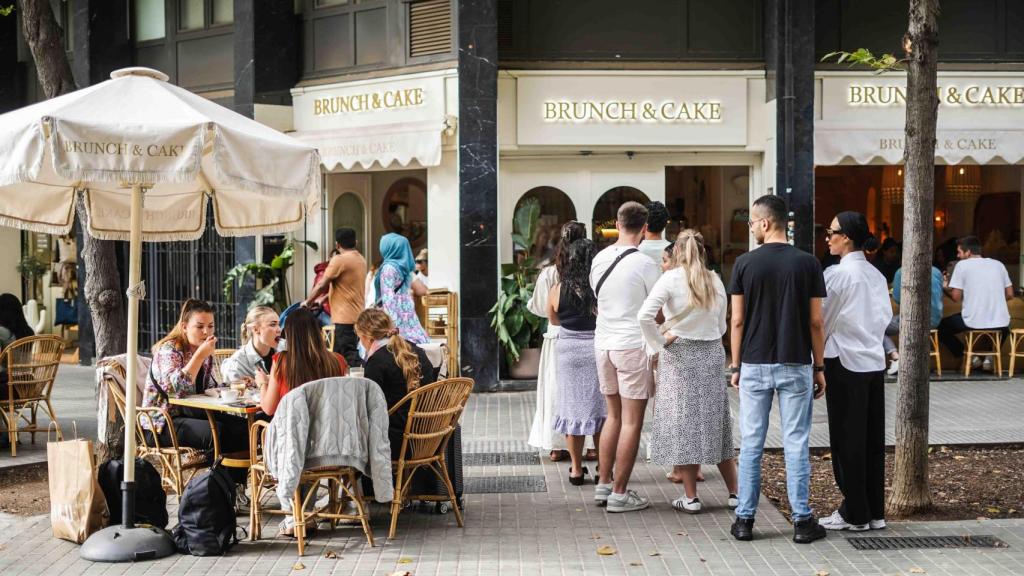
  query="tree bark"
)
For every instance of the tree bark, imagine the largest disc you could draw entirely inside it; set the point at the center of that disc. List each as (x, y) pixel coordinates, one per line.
(910, 492)
(44, 39)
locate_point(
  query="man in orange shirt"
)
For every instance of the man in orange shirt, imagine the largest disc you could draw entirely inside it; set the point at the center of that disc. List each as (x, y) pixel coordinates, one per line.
(344, 278)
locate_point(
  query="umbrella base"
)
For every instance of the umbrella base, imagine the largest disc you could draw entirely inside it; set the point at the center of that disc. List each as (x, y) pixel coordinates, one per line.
(120, 544)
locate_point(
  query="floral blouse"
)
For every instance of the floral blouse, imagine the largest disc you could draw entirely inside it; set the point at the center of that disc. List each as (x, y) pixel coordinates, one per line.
(397, 302)
(169, 374)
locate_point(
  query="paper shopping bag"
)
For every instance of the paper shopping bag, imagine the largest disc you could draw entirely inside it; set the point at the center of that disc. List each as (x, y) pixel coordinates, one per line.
(77, 505)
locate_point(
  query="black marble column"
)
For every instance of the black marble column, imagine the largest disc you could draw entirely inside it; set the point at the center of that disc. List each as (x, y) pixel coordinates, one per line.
(101, 40)
(10, 78)
(789, 60)
(266, 68)
(478, 187)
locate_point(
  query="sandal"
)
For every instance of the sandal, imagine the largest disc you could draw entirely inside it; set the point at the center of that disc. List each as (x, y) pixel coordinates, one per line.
(590, 455)
(558, 455)
(578, 480)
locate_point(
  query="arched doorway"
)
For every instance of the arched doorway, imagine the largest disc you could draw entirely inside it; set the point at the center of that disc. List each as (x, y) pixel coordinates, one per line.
(405, 211)
(556, 208)
(348, 212)
(604, 232)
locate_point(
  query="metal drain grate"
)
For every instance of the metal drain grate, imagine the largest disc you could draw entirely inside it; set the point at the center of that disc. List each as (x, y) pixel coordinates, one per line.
(500, 459)
(912, 542)
(469, 446)
(504, 484)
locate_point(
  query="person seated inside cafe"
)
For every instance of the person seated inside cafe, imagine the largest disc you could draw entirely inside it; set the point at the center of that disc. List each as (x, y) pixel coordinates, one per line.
(183, 366)
(984, 287)
(13, 326)
(260, 335)
(397, 365)
(305, 359)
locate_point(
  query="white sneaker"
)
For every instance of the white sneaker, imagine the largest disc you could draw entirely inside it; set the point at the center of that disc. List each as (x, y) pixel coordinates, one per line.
(975, 362)
(733, 502)
(836, 522)
(894, 367)
(688, 505)
(601, 493)
(877, 524)
(628, 502)
(987, 364)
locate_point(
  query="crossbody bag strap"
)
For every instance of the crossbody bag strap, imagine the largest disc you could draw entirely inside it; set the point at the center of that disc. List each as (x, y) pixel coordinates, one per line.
(597, 289)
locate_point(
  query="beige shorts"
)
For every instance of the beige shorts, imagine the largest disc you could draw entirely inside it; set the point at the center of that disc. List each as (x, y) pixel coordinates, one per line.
(626, 373)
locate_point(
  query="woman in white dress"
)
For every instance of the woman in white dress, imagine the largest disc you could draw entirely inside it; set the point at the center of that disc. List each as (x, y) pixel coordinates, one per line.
(542, 433)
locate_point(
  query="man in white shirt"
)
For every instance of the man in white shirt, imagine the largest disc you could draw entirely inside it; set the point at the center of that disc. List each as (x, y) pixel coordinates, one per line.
(984, 287)
(654, 242)
(622, 278)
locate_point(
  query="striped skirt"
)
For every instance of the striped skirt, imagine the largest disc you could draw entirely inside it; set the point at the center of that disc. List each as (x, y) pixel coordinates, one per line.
(579, 407)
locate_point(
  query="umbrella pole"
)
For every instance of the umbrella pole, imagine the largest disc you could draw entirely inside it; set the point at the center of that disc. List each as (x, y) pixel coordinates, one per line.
(127, 542)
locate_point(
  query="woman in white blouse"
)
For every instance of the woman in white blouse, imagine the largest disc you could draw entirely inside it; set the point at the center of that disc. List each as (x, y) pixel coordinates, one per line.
(692, 424)
(857, 312)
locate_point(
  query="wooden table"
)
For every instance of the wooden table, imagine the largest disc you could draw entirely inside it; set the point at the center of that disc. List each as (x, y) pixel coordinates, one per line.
(211, 405)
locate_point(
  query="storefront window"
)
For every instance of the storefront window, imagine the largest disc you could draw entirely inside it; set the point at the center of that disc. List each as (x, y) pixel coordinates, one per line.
(405, 211)
(150, 23)
(322, 3)
(607, 208)
(190, 15)
(348, 213)
(223, 12)
(556, 208)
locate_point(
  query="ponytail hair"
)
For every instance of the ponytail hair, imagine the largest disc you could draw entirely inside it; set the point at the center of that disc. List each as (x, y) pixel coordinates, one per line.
(691, 256)
(190, 308)
(252, 320)
(375, 324)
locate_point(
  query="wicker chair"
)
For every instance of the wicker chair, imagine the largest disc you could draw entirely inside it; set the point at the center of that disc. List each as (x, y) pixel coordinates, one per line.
(328, 333)
(31, 364)
(219, 356)
(177, 464)
(340, 479)
(434, 410)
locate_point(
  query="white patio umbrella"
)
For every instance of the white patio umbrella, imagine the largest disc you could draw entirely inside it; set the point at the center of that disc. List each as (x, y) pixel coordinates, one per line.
(147, 158)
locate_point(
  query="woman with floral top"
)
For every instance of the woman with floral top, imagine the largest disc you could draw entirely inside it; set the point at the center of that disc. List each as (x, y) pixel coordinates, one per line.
(393, 286)
(183, 365)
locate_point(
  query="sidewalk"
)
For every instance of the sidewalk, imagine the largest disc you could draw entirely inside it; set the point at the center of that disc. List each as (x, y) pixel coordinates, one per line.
(542, 525)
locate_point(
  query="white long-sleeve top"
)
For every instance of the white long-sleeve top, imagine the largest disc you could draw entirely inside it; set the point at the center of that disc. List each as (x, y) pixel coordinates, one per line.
(538, 304)
(857, 311)
(671, 295)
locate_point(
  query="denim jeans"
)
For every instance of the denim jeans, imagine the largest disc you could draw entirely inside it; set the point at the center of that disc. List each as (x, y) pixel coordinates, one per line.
(758, 385)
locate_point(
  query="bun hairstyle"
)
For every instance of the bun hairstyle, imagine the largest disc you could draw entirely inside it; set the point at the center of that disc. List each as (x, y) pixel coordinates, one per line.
(571, 232)
(375, 324)
(691, 256)
(190, 308)
(855, 226)
(253, 319)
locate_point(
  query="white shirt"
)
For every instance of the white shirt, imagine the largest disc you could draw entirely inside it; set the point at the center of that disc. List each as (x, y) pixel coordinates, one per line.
(671, 294)
(620, 298)
(984, 283)
(538, 304)
(653, 249)
(857, 311)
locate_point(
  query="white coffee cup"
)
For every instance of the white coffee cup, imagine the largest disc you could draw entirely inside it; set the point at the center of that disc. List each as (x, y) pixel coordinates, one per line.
(228, 395)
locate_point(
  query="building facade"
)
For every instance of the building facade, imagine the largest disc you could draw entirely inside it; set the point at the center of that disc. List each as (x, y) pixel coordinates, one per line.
(436, 118)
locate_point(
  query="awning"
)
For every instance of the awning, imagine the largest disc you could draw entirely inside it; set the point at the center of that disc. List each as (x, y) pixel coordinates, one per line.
(872, 146)
(382, 144)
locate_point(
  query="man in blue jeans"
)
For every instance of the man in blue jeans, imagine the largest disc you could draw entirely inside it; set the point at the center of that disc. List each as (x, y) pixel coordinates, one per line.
(777, 325)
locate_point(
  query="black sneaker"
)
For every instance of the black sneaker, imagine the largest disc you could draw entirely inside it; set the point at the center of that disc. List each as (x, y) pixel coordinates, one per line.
(808, 530)
(743, 529)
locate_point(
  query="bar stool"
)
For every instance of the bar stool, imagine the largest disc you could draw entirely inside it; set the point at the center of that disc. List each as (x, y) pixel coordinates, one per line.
(933, 335)
(1016, 336)
(974, 337)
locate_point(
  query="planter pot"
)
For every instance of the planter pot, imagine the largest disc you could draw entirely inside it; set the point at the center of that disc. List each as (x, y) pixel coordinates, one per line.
(527, 366)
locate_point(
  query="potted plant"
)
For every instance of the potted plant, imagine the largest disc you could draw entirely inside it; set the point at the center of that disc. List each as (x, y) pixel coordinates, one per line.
(32, 270)
(520, 333)
(273, 285)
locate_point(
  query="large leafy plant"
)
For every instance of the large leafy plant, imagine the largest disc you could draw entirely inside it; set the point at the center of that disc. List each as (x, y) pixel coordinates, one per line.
(515, 326)
(271, 279)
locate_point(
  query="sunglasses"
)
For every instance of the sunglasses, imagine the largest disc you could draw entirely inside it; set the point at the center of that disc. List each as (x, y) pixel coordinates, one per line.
(750, 223)
(829, 233)
(421, 261)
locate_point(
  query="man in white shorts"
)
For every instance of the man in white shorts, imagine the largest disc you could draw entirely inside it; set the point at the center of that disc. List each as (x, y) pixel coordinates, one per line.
(622, 277)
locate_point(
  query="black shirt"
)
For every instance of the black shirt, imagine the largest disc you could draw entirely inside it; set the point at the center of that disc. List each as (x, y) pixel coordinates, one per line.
(571, 316)
(777, 282)
(382, 369)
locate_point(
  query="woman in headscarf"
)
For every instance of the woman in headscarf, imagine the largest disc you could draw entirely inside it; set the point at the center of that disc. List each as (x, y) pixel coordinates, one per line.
(393, 287)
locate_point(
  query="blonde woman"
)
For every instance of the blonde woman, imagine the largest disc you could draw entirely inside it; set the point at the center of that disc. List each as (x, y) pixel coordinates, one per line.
(692, 425)
(395, 364)
(260, 335)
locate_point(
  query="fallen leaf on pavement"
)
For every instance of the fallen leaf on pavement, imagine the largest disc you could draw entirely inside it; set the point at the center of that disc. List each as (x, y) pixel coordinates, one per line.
(821, 573)
(655, 554)
(680, 533)
(405, 560)
(330, 554)
(636, 563)
(992, 510)
(299, 566)
(402, 573)
(916, 570)
(605, 551)
(579, 509)
(703, 560)
(826, 457)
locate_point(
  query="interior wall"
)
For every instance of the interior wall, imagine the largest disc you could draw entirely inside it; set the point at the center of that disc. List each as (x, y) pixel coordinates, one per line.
(380, 182)
(10, 281)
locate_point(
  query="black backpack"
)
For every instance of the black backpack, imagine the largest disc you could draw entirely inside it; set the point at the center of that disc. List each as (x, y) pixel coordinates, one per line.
(206, 514)
(150, 498)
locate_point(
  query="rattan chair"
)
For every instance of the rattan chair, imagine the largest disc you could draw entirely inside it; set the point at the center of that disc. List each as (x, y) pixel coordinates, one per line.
(328, 333)
(177, 464)
(31, 364)
(219, 356)
(341, 480)
(434, 410)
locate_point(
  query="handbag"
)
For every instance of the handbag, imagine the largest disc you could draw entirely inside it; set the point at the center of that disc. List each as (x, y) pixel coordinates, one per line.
(77, 505)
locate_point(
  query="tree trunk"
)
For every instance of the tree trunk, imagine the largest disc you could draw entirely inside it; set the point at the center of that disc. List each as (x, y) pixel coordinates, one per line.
(910, 492)
(44, 39)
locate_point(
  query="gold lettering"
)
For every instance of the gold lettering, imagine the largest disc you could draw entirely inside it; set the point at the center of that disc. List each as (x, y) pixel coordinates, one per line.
(970, 94)
(549, 110)
(716, 111)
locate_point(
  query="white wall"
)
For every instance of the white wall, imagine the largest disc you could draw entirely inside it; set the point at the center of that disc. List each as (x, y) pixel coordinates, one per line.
(10, 255)
(443, 222)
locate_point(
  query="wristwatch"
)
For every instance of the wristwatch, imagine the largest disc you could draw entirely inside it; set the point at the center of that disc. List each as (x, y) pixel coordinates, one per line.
(819, 368)
(734, 369)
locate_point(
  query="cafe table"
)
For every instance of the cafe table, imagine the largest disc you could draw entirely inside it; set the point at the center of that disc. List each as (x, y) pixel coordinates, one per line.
(241, 407)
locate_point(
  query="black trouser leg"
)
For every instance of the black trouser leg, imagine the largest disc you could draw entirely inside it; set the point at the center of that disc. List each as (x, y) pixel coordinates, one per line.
(232, 432)
(876, 447)
(848, 414)
(949, 327)
(833, 402)
(346, 343)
